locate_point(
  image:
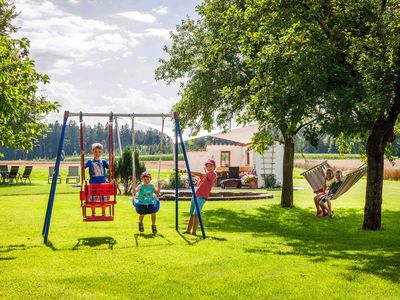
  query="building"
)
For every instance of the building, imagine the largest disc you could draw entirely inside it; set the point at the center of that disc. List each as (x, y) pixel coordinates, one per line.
(239, 154)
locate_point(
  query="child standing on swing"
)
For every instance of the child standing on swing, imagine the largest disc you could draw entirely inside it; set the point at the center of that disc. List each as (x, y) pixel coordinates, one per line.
(147, 200)
(97, 172)
(207, 180)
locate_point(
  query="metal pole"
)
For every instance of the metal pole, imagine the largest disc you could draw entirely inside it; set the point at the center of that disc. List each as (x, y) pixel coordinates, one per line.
(190, 179)
(46, 226)
(176, 150)
(122, 115)
(133, 155)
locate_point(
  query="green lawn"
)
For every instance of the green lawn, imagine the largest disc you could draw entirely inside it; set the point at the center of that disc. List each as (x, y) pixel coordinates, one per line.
(255, 250)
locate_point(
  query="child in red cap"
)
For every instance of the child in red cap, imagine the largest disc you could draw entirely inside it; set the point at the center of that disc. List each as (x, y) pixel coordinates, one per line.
(147, 200)
(207, 180)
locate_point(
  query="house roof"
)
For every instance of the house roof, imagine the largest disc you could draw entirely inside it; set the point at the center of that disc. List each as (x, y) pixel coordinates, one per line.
(241, 135)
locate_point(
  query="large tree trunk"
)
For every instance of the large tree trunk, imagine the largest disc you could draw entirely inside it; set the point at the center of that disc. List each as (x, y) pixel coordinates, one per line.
(287, 182)
(373, 196)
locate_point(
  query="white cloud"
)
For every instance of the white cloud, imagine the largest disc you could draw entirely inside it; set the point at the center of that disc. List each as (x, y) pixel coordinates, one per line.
(138, 16)
(144, 81)
(67, 95)
(73, 1)
(161, 10)
(153, 32)
(58, 36)
(133, 99)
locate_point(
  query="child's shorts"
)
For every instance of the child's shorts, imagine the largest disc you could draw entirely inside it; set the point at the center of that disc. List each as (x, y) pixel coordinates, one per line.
(146, 209)
(200, 202)
(99, 198)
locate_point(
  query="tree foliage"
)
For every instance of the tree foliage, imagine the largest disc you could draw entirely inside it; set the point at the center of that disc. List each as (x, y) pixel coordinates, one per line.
(249, 61)
(123, 168)
(21, 108)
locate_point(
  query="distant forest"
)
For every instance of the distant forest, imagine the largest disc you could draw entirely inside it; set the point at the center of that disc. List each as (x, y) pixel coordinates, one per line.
(147, 142)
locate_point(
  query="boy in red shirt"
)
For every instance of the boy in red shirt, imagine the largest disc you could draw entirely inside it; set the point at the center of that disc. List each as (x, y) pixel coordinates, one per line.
(207, 180)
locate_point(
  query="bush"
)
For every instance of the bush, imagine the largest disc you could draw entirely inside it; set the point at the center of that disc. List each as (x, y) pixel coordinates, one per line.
(123, 168)
(270, 181)
(186, 181)
(171, 181)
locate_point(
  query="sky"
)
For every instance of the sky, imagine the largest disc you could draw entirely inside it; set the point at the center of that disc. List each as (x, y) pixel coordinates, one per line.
(101, 55)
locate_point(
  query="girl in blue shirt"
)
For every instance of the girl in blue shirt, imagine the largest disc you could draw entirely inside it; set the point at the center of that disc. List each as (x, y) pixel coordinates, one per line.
(147, 200)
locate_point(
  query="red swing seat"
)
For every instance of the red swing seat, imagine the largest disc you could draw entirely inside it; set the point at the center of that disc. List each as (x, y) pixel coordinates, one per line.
(100, 191)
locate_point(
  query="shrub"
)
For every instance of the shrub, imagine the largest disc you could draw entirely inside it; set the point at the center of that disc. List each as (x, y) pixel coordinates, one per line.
(171, 181)
(123, 168)
(270, 181)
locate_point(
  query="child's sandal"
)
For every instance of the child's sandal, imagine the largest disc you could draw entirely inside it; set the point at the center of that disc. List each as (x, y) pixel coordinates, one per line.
(154, 229)
(141, 228)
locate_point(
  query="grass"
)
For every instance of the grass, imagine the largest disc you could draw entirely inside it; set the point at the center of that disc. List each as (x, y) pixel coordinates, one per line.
(254, 250)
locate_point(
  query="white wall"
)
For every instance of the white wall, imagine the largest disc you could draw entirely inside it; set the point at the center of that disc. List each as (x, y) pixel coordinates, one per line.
(237, 157)
(274, 166)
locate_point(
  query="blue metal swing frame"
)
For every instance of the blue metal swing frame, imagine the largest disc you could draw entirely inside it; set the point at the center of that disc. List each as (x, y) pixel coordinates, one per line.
(178, 138)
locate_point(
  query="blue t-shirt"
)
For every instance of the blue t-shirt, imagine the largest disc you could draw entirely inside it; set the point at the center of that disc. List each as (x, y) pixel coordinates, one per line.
(97, 170)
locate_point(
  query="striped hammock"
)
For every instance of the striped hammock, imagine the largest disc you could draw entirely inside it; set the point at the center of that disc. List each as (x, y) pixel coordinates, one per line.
(316, 178)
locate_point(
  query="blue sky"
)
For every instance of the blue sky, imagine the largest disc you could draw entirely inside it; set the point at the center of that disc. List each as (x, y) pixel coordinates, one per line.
(101, 54)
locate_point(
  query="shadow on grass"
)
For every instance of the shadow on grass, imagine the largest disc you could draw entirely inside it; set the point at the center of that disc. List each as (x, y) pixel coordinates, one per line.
(95, 242)
(303, 234)
(5, 249)
(189, 242)
(10, 248)
(145, 236)
(87, 242)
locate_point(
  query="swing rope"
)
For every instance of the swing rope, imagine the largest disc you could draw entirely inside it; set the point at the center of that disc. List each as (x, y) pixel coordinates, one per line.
(161, 149)
(118, 136)
(133, 161)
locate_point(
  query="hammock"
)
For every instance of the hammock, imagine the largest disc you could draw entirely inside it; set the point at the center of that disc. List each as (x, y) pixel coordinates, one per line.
(316, 178)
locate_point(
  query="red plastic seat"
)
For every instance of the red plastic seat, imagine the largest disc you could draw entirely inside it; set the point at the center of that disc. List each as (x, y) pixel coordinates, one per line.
(103, 193)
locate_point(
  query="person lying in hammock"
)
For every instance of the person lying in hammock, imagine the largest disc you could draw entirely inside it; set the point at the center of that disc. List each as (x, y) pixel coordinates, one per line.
(325, 201)
(329, 179)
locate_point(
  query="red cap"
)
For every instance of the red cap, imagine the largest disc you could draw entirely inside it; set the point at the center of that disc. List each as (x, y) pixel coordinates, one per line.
(145, 174)
(210, 161)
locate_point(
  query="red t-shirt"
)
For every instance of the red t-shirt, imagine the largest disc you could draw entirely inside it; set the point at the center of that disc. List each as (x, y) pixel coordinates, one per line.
(205, 185)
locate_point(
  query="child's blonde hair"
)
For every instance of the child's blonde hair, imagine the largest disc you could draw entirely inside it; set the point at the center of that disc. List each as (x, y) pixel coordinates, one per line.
(97, 146)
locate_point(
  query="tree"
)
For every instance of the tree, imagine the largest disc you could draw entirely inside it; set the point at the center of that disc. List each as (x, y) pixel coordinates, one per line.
(123, 168)
(244, 61)
(363, 39)
(21, 109)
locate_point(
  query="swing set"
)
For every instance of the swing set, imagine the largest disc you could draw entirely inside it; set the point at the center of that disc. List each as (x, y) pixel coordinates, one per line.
(105, 194)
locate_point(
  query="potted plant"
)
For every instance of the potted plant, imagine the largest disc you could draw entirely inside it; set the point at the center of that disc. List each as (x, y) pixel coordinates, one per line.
(250, 180)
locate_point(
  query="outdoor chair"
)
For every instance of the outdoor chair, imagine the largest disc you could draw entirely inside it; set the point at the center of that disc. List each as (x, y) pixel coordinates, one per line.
(4, 173)
(73, 173)
(13, 175)
(233, 180)
(26, 175)
(50, 177)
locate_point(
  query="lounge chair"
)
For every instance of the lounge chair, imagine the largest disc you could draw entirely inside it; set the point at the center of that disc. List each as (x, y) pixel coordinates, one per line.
(73, 173)
(26, 175)
(4, 173)
(13, 175)
(50, 177)
(233, 180)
